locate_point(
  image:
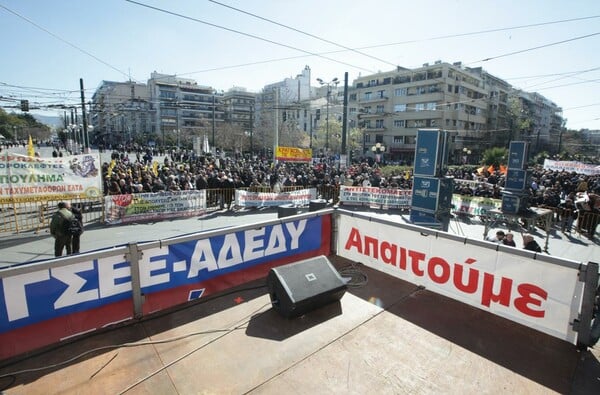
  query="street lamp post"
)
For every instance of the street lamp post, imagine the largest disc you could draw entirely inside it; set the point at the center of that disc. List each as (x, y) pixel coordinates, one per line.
(334, 82)
(377, 150)
(467, 152)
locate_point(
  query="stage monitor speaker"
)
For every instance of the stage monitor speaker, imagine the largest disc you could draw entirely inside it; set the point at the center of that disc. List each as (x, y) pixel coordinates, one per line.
(303, 286)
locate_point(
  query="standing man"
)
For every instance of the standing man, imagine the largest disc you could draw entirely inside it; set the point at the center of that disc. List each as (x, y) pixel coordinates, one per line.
(62, 238)
(75, 237)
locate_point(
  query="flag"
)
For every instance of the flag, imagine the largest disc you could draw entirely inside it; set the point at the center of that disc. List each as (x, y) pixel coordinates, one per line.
(30, 149)
(491, 169)
(503, 169)
(480, 170)
(155, 168)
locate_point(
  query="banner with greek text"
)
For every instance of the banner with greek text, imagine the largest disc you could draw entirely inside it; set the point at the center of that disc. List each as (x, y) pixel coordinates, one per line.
(49, 293)
(300, 197)
(389, 197)
(24, 178)
(534, 293)
(120, 209)
(474, 205)
(572, 166)
(292, 154)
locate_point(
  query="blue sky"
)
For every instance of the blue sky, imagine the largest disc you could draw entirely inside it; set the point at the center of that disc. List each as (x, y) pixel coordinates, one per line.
(51, 44)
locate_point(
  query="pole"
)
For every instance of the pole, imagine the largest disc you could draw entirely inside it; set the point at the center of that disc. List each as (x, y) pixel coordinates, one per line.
(213, 123)
(86, 138)
(251, 131)
(327, 121)
(345, 115)
(276, 124)
(311, 131)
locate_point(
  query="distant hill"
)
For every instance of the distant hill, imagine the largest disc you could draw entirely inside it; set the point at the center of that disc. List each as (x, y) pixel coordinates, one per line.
(51, 121)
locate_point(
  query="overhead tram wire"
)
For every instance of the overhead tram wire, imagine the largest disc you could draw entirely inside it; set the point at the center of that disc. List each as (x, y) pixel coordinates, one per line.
(303, 32)
(564, 76)
(246, 34)
(382, 45)
(534, 48)
(63, 40)
(446, 36)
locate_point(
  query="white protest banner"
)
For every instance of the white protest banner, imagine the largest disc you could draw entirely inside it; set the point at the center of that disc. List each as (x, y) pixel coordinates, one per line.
(24, 178)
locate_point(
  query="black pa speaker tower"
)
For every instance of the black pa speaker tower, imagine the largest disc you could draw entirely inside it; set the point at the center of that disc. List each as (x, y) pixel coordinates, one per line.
(300, 287)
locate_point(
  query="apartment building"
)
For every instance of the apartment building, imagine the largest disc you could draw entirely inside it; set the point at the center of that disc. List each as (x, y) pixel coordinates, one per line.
(121, 112)
(391, 106)
(472, 104)
(184, 109)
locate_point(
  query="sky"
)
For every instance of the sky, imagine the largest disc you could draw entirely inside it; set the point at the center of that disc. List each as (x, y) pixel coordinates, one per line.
(547, 46)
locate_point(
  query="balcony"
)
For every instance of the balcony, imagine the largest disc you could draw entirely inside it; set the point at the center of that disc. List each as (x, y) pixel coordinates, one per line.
(374, 99)
(372, 129)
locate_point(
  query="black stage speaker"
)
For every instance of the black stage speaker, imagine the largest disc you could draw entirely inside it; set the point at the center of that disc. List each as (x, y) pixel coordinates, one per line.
(300, 287)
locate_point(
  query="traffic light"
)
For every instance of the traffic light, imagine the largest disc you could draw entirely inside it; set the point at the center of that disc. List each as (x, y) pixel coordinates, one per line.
(24, 105)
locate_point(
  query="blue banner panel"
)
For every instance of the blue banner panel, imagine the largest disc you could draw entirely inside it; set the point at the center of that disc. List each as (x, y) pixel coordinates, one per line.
(427, 153)
(517, 155)
(513, 204)
(48, 293)
(423, 217)
(425, 193)
(516, 179)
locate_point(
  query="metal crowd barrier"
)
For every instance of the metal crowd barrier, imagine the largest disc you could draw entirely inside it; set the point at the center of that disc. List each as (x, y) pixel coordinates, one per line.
(34, 216)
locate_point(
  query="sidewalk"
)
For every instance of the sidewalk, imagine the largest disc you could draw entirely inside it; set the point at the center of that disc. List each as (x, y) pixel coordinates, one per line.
(30, 247)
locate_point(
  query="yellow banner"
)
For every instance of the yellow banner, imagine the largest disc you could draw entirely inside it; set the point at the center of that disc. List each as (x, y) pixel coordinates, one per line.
(292, 154)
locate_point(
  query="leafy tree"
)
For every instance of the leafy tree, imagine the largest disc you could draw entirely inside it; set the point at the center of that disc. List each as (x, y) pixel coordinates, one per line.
(495, 156)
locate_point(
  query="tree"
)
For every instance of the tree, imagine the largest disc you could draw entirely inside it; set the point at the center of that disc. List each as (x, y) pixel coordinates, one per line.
(495, 156)
(519, 120)
(21, 126)
(333, 136)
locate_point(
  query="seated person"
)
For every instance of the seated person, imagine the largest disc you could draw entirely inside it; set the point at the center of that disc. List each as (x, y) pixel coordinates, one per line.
(509, 240)
(530, 244)
(498, 238)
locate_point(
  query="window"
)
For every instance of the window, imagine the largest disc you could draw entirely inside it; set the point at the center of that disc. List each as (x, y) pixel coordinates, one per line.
(368, 95)
(379, 138)
(381, 94)
(398, 139)
(430, 106)
(373, 83)
(399, 123)
(399, 107)
(400, 92)
(419, 106)
(379, 123)
(352, 110)
(353, 96)
(367, 138)
(450, 88)
(380, 109)
(368, 124)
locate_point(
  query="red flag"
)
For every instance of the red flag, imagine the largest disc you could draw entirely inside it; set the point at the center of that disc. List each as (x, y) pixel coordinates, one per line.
(503, 169)
(491, 169)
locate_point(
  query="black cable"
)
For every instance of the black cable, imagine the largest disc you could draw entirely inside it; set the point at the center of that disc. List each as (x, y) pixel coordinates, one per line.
(356, 277)
(11, 382)
(303, 32)
(244, 34)
(63, 40)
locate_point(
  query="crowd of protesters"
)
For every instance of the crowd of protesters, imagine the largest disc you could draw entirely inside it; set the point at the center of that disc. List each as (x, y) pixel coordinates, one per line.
(137, 171)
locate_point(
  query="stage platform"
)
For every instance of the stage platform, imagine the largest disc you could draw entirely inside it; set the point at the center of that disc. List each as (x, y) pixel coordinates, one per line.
(385, 336)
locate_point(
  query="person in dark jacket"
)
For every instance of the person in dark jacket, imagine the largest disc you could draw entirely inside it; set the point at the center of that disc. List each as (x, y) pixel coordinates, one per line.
(62, 239)
(508, 240)
(530, 244)
(75, 239)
